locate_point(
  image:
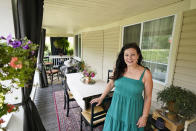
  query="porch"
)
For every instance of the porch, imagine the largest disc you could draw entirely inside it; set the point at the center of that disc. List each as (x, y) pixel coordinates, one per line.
(99, 42)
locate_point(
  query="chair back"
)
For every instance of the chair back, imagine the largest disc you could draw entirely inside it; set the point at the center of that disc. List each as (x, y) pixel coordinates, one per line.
(64, 83)
(95, 116)
(110, 73)
(46, 59)
(48, 65)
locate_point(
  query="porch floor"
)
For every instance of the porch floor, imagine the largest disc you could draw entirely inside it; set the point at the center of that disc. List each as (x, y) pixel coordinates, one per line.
(45, 105)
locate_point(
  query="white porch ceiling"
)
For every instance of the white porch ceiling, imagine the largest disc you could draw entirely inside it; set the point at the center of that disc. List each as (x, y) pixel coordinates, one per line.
(66, 17)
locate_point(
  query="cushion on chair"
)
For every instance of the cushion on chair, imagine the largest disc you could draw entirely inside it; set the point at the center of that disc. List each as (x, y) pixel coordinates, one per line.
(96, 109)
(97, 117)
(52, 71)
(70, 95)
(87, 114)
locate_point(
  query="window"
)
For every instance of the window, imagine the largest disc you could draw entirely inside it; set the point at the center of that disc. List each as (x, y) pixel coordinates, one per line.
(132, 34)
(78, 45)
(155, 39)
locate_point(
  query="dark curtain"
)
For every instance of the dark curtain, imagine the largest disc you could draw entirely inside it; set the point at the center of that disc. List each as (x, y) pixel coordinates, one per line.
(28, 16)
(54, 50)
(42, 71)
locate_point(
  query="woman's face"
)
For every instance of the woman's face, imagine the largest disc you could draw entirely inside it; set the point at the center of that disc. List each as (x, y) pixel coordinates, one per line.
(130, 56)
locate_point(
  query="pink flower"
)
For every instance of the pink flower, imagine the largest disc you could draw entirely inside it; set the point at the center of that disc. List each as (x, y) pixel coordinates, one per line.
(14, 63)
(10, 108)
(92, 74)
(87, 73)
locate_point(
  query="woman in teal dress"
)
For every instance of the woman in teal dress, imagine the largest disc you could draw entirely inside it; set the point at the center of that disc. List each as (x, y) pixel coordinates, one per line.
(129, 109)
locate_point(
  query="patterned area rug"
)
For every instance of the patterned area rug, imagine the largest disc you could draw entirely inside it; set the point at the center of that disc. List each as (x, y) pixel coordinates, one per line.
(71, 123)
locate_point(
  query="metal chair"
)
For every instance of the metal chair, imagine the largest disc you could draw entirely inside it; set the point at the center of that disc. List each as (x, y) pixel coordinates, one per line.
(68, 97)
(51, 72)
(110, 73)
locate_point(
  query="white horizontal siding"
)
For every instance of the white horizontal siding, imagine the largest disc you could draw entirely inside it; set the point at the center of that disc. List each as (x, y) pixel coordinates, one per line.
(155, 104)
(189, 20)
(185, 64)
(188, 35)
(188, 42)
(92, 43)
(190, 49)
(185, 71)
(187, 57)
(188, 71)
(111, 48)
(190, 13)
(189, 27)
(100, 49)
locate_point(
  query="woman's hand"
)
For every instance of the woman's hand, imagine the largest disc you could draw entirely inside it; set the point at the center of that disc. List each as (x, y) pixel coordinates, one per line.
(98, 100)
(142, 122)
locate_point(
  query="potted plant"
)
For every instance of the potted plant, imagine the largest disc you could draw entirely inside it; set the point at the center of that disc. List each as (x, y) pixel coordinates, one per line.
(88, 74)
(81, 66)
(62, 44)
(178, 101)
(17, 66)
(70, 52)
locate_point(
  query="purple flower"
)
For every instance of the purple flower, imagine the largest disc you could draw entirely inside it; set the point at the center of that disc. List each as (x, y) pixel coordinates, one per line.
(87, 74)
(25, 47)
(9, 39)
(16, 44)
(2, 37)
(29, 42)
(33, 52)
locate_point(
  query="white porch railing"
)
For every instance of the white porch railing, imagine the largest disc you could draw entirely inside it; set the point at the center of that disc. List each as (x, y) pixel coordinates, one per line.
(57, 59)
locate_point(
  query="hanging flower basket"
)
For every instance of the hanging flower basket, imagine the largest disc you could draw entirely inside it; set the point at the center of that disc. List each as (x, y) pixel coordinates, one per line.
(17, 65)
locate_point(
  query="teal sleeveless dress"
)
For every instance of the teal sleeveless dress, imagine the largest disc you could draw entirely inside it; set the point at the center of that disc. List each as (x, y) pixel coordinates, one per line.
(126, 106)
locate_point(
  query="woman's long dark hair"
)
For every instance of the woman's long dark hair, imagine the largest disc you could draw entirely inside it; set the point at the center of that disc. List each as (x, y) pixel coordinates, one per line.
(120, 63)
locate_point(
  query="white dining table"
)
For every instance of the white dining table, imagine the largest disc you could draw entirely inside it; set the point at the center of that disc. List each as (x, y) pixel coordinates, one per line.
(81, 91)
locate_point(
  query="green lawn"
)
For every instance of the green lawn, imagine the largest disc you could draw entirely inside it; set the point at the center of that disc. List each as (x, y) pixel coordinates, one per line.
(156, 55)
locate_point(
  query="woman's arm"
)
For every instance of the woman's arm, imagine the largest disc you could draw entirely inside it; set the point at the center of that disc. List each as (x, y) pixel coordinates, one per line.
(109, 87)
(148, 84)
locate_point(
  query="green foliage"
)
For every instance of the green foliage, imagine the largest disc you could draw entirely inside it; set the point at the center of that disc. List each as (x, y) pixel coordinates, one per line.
(70, 52)
(46, 50)
(81, 65)
(62, 44)
(24, 56)
(184, 100)
(162, 41)
(156, 55)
